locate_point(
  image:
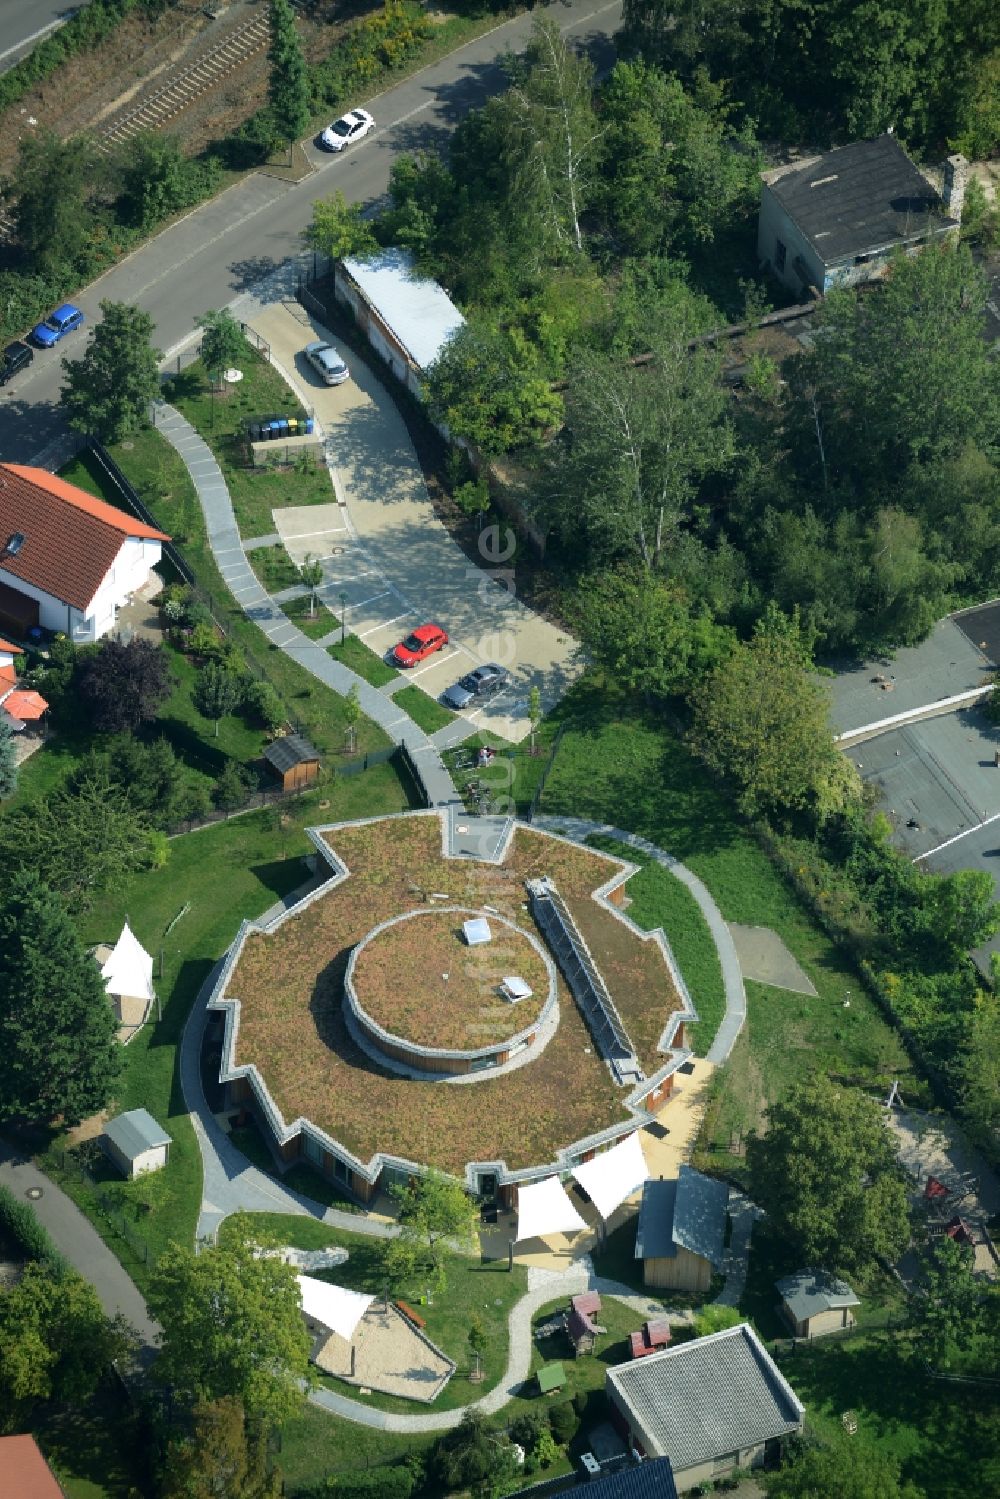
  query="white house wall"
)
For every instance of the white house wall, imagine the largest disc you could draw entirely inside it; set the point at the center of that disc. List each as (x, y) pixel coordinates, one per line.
(129, 572)
(773, 224)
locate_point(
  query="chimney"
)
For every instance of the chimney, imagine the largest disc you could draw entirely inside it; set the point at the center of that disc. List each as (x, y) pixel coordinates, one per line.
(956, 170)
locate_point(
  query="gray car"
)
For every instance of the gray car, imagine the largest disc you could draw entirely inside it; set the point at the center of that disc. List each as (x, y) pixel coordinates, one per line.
(477, 686)
(327, 363)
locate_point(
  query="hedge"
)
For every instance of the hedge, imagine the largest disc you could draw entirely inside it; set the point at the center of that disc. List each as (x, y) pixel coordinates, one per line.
(19, 1222)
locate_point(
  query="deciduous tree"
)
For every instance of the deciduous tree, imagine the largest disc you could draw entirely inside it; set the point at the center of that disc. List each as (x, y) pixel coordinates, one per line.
(311, 573)
(58, 1049)
(222, 1458)
(124, 686)
(51, 207)
(760, 718)
(108, 391)
(948, 1310)
(434, 1208)
(842, 1468)
(223, 342)
(339, 229)
(217, 691)
(56, 1339)
(232, 1324)
(827, 1173)
(486, 385)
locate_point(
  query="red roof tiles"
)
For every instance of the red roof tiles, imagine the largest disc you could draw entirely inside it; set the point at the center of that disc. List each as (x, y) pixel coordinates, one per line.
(71, 539)
(24, 1473)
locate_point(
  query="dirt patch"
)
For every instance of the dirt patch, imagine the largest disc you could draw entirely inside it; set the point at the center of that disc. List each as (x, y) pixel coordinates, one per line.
(420, 980)
(290, 985)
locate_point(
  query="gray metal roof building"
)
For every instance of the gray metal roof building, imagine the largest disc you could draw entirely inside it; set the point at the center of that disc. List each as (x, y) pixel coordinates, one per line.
(700, 1400)
(689, 1213)
(135, 1132)
(859, 198)
(810, 1292)
(419, 313)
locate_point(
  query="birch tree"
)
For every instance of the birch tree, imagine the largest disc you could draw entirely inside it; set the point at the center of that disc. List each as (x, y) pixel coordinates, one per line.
(551, 104)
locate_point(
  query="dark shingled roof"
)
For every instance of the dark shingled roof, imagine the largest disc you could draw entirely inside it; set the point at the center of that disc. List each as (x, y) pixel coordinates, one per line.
(292, 750)
(653, 1479)
(859, 198)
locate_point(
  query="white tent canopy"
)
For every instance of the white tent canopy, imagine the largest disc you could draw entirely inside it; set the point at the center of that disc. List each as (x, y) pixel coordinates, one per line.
(614, 1174)
(129, 969)
(544, 1208)
(335, 1307)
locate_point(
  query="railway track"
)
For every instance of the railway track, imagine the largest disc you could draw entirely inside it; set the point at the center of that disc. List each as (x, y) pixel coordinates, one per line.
(190, 82)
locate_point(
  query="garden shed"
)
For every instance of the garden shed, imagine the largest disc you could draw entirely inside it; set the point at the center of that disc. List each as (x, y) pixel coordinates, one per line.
(813, 1302)
(136, 1143)
(682, 1230)
(293, 760)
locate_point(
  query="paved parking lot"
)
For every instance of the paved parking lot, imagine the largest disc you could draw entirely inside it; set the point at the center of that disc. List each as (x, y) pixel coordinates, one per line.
(390, 560)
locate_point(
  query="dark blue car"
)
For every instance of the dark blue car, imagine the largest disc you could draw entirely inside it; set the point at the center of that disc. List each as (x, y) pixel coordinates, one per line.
(64, 320)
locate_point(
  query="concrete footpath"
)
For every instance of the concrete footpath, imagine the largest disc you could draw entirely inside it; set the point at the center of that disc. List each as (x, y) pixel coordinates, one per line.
(80, 1242)
(258, 606)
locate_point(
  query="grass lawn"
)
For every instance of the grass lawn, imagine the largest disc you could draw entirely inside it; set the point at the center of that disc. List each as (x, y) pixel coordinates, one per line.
(316, 624)
(274, 568)
(945, 1436)
(488, 1291)
(262, 861)
(618, 765)
(316, 1445)
(309, 704)
(883, 1300)
(425, 712)
(220, 420)
(354, 653)
(660, 900)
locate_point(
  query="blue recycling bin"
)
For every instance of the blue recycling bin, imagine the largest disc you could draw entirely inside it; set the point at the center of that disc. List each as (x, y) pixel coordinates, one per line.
(309, 426)
(283, 427)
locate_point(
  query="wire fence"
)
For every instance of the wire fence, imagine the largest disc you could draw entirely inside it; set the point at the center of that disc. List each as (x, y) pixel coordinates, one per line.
(112, 1209)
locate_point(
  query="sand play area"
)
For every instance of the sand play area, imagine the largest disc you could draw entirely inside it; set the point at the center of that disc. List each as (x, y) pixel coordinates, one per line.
(389, 1355)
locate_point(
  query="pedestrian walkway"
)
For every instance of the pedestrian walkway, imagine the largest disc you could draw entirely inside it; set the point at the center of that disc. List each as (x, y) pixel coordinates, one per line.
(744, 1215)
(258, 606)
(580, 829)
(82, 1245)
(544, 1286)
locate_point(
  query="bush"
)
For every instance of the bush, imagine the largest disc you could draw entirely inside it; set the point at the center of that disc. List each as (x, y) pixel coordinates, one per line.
(263, 703)
(527, 1428)
(564, 1422)
(82, 33)
(18, 1221)
(232, 789)
(396, 1482)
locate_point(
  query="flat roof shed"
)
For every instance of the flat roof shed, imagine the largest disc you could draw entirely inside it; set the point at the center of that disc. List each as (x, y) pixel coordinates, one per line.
(417, 312)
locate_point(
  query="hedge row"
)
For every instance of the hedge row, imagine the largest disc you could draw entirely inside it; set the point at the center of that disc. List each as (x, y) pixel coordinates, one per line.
(19, 1222)
(82, 33)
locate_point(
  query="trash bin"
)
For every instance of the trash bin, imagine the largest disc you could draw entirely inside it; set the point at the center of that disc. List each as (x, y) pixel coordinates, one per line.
(309, 426)
(253, 431)
(282, 425)
(293, 426)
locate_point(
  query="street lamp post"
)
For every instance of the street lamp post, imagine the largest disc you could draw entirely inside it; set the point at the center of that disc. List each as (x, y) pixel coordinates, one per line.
(343, 617)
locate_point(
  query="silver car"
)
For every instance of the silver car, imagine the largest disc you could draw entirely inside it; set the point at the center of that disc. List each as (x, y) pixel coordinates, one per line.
(327, 363)
(477, 686)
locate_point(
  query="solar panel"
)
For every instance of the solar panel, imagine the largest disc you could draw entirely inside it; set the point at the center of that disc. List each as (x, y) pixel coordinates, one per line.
(588, 987)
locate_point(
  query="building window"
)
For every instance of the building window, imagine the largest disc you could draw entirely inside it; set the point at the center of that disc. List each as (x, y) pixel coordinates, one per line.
(340, 1169)
(779, 255)
(313, 1150)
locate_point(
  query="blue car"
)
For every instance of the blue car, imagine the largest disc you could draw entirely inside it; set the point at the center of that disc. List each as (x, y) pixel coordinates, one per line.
(64, 320)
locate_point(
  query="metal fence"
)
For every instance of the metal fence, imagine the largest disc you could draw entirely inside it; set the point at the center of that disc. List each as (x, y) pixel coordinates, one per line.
(536, 800)
(111, 1208)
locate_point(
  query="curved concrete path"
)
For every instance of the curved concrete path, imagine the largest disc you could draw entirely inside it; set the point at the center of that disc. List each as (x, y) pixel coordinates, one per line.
(580, 829)
(543, 1286)
(76, 1238)
(258, 606)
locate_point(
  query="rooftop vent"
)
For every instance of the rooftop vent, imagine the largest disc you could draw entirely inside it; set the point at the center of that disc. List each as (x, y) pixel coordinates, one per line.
(14, 545)
(822, 181)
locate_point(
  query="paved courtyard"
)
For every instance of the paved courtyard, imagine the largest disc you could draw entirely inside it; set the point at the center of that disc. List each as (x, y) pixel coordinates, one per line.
(385, 552)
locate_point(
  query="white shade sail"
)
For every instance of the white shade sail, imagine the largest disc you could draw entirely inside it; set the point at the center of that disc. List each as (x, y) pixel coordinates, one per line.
(129, 969)
(544, 1208)
(614, 1174)
(335, 1307)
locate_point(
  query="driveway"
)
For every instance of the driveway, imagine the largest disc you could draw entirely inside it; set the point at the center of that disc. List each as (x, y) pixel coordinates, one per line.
(387, 555)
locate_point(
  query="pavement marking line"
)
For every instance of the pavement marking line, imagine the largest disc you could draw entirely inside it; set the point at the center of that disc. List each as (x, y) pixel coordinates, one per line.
(386, 622)
(957, 838)
(36, 36)
(371, 600)
(304, 535)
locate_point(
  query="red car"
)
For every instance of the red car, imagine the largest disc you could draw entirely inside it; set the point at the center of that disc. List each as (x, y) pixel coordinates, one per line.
(418, 646)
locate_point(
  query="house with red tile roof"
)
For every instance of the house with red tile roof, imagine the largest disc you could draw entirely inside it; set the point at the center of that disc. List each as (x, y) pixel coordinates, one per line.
(24, 1473)
(68, 561)
(8, 674)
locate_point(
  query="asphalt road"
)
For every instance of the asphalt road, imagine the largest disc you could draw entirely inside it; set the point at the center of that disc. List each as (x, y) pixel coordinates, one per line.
(220, 250)
(24, 22)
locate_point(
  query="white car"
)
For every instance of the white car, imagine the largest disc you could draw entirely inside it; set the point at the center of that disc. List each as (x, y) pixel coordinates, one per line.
(351, 127)
(327, 363)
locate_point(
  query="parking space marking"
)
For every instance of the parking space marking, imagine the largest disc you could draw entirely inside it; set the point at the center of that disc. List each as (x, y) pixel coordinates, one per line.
(957, 838)
(386, 622)
(371, 600)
